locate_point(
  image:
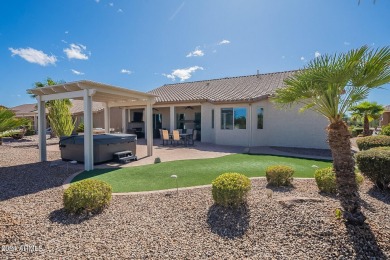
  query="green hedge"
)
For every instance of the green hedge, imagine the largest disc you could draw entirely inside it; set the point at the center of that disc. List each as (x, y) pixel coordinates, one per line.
(385, 130)
(326, 180)
(357, 131)
(230, 189)
(87, 196)
(279, 175)
(375, 165)
(368, 142)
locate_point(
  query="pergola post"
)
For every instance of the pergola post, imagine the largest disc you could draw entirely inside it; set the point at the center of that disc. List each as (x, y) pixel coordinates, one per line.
(88, 132)
(106, 118)
(171, 118)
(42, 129)
(149, 127)
(124, 127)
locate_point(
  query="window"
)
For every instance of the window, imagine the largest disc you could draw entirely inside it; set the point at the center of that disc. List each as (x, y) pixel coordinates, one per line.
(212, 118)
(180, 120)
(137, 116)
(226, 118)
(260, 117)
(233, 117)
(240, 118)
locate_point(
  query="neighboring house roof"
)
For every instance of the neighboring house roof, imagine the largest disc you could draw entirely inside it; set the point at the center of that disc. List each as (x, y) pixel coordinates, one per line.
(25, 110)
(387, 108)
(78, 106)
(234, 89)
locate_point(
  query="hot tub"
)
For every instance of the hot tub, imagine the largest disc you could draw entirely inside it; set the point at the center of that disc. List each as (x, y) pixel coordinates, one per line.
(104, 146)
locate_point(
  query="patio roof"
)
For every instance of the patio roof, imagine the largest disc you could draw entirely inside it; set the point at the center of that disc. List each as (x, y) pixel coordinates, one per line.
(114, 96)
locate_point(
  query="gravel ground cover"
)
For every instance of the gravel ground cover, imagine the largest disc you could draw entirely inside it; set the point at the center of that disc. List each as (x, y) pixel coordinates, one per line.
(188, 225)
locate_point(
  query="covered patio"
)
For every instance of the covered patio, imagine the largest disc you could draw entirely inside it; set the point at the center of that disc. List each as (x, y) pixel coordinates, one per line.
(89, 91)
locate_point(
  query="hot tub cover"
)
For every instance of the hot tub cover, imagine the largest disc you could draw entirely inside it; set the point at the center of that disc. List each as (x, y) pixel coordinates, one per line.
(100, 139)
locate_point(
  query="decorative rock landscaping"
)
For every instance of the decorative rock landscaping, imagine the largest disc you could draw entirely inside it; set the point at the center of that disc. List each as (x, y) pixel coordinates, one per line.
(167, 226)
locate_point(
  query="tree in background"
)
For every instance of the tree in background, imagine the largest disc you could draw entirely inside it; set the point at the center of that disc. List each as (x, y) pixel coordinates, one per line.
(330, 85)
(368, 111)
(59, 116)
(8, 121)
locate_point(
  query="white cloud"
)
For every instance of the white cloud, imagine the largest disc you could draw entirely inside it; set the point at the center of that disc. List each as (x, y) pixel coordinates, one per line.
(120, 10)
(34, 56)
(224, 42)
(111, 4)
(76, 51)
(125, 71)
(196, 53)
(77, 72)
(97, 1)
(182, 74)
(66, 32)
(302, 58)
(283, 57)
(64, 41)
(347, 43)
(317, 54)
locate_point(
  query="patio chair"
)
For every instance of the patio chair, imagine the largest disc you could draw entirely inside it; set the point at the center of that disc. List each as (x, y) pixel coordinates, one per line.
(176, 136)
(194, 135)
(189, 131)
(180, 131)
(165, 136)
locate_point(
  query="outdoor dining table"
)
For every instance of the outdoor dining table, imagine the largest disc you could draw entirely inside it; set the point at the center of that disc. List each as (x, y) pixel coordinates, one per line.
(186, 137)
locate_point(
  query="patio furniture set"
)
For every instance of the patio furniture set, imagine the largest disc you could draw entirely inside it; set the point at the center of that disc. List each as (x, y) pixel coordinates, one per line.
(179, 136)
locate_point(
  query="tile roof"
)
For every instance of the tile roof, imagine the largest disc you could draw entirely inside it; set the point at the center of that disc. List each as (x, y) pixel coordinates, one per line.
(24, 109)
(78, 106)
(233, 89)
(387, 108)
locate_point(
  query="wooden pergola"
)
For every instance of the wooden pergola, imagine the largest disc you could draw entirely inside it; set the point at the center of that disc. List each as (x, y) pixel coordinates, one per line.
(89, 91)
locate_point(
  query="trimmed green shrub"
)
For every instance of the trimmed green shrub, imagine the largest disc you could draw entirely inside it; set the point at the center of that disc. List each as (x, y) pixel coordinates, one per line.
(326, 180)
(80, 128)
(279, 175)
(375, 165)
(230, 189)
(87, 196)
(385, 130)
(157, 160)
(369, 142)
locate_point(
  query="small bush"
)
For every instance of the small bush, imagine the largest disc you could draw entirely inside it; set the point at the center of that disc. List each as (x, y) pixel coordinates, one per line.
(375, 165)
(369, 142)
(80, 128)
(157, 160)
(87, 196)
(385, 130)
(326, 180)
(230, 189)
(279, 175)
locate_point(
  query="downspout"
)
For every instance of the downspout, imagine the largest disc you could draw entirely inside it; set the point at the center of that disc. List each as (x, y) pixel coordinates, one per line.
(250, 126)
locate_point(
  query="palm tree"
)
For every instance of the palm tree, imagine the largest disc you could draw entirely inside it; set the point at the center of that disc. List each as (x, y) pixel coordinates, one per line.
(330, 85)
(8, 121)
(368, 111)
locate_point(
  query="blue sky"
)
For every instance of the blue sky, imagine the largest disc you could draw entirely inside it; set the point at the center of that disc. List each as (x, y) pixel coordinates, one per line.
(142, 45)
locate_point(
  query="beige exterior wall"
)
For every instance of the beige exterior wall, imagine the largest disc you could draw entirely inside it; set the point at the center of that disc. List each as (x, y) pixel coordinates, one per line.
(385, 118)
(287, 128)
(98, 119)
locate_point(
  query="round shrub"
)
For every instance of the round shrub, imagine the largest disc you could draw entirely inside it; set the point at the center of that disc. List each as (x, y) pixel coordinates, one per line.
(279, 175)
(326, 179)
(369, 142)
(87, 196)
(230, 189)
(375, 165)
(385, 130)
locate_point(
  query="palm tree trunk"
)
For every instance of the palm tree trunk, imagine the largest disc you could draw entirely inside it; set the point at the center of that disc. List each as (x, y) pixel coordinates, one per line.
(366, 126)
(343, 164)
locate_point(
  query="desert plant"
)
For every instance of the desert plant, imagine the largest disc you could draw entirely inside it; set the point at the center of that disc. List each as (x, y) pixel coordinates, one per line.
(279, 175)
(375, 165)
(157, 160)
(369, 142)
(60, 118)
(8, 121)
(230, 189)
(87, 196)
(385, 130)
(356, 131)
(368, 111)
(326, 179)
(330, 85)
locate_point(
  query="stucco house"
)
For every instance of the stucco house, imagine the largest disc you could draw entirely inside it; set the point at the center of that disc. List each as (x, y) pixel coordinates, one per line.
(237, 111)
(385, 120)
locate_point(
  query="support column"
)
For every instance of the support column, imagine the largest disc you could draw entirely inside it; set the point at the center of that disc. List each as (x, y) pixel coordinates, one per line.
(124, 127)
(36, 123)
(171, 118)
(88, 132)
(149, 127)
(106, 118)
(42, 129)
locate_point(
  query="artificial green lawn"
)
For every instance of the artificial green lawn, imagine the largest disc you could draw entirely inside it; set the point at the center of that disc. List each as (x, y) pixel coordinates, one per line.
(195, 172)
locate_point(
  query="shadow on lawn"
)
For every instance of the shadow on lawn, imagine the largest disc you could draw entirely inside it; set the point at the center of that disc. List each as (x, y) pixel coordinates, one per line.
(228, 222)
